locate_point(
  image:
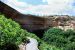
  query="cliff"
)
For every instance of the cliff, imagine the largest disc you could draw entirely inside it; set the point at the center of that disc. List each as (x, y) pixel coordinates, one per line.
(32, 22)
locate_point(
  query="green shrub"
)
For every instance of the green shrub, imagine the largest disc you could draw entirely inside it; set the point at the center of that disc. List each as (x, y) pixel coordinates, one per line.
(32, 35)
(10, 31)
(45, 46)
(70, 46)
(59, 38)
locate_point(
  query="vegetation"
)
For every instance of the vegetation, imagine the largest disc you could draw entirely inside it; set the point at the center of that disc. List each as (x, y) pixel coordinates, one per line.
(12, 35)
(10, 32)
(60, 38)
(45, 46)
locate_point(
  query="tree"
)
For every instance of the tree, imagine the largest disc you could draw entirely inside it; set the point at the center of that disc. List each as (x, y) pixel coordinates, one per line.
(10, 32)
(59, 37)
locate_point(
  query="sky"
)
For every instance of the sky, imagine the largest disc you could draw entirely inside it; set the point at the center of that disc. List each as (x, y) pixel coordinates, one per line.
(43, 7)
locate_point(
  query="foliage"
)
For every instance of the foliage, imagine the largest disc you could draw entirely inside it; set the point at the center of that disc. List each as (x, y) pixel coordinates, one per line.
(70, 46)
(10, 31)
(9, 46)
(45, 46)
(32, 35)
(60, 38)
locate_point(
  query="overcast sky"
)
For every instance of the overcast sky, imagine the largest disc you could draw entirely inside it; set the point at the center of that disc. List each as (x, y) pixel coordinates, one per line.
(43, 7)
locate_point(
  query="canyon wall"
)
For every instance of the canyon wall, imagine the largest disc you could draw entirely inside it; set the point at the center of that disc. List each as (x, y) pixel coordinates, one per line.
(32, 22)
(29, 22)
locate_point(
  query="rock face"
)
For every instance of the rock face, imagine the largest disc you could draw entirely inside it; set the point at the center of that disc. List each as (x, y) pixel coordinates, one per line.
(33, 45)
(31, 22)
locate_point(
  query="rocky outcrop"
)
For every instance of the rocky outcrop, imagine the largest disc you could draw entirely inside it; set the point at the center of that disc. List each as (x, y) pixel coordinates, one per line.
(32, 22)
(29, 22)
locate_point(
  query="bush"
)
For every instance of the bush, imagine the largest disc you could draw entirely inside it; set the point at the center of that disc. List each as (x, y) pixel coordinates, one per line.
(70, 46)
(10, 31)
(59, 38)
(10, 46)
(45, 46)
(32, 35)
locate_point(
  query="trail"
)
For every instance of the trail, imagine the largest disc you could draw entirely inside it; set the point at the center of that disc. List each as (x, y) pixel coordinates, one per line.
(33, 45)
